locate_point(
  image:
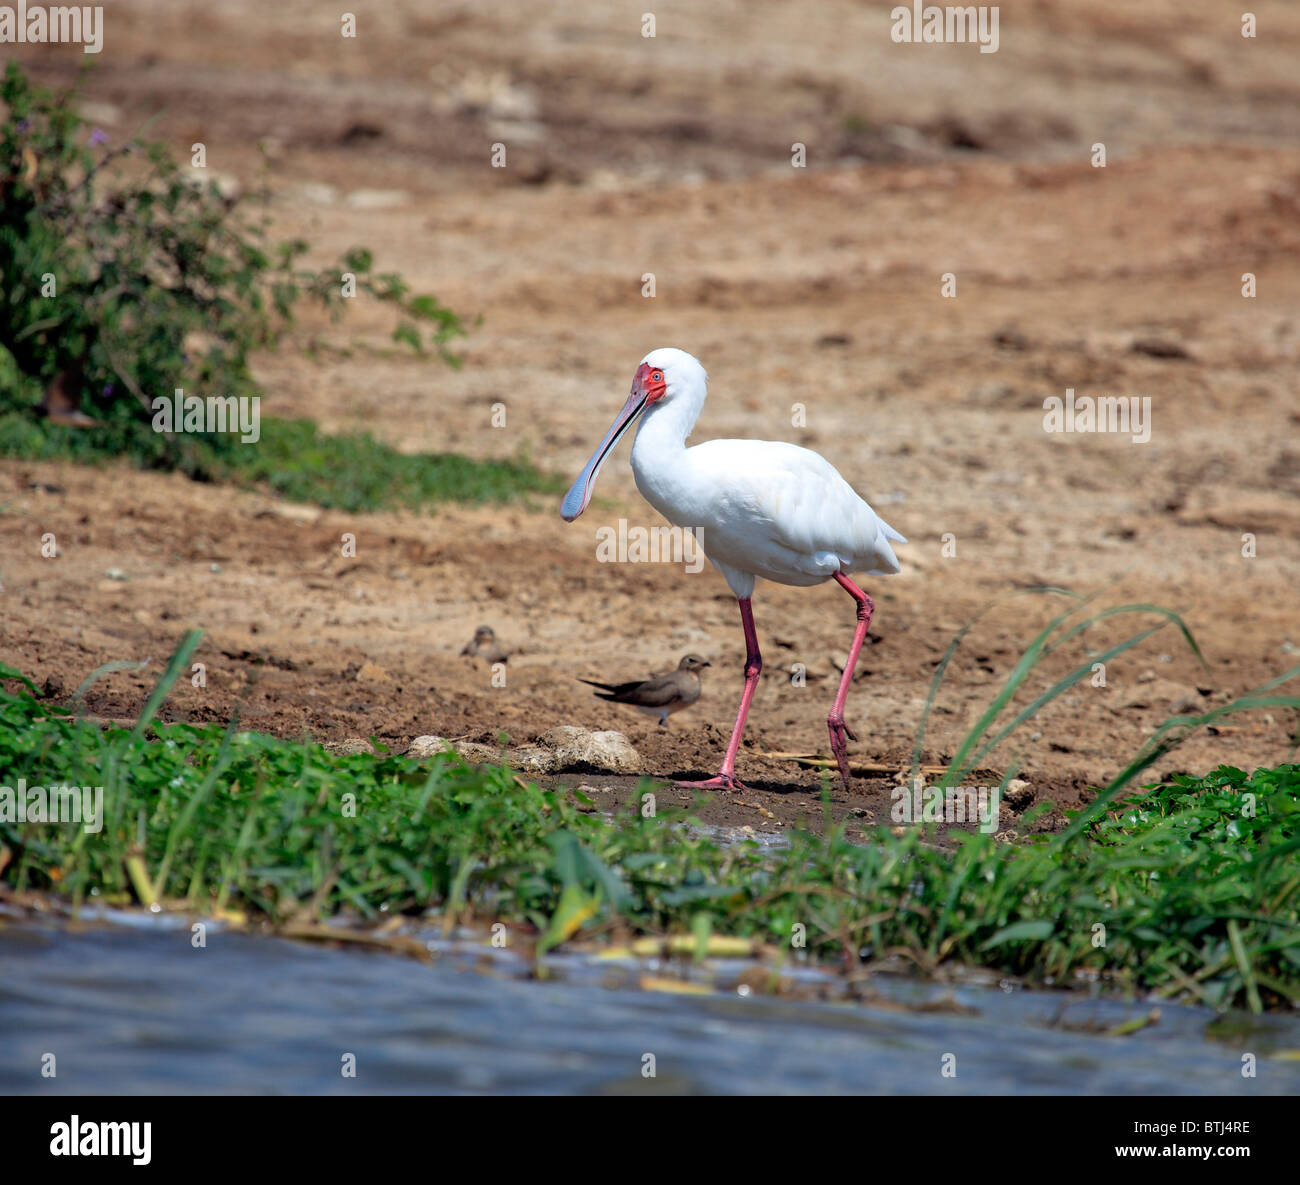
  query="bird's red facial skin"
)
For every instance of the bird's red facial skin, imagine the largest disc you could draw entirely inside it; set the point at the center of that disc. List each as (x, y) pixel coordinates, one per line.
(650, 382)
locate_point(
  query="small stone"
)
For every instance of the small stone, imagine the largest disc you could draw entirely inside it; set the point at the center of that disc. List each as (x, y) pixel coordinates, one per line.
(377, 199)
(116, 574)
(477, 754)
(318, 193)
(1159, 348)
(607, 751)
(1018, 793)
(429, 746)
(471, 751)
(532, 759)
(349, 748)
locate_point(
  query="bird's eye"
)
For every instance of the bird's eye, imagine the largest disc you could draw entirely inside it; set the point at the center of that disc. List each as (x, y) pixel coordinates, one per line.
(657, 377)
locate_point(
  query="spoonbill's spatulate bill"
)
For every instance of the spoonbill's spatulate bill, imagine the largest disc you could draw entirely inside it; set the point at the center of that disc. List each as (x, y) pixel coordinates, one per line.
(757, 508)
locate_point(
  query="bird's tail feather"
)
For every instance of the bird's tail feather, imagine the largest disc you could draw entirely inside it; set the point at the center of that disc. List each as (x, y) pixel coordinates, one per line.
(886, 560)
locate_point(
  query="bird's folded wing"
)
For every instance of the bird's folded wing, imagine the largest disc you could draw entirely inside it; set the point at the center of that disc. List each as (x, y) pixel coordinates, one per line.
(656, 692)
(806, 506)
(653, 693)
(611, 687)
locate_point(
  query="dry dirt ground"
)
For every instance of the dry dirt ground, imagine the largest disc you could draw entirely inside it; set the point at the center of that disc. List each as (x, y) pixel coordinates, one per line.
(817, 288)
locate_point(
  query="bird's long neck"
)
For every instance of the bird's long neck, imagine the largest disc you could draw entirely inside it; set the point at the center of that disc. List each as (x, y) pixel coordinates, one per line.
(661, 435)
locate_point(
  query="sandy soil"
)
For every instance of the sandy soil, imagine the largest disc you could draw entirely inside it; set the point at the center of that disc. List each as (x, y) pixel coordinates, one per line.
(818, 287)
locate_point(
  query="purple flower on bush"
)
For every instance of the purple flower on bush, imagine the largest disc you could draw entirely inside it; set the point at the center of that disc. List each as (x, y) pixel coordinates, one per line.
(23, 125)
(108, 390)
(98, 136)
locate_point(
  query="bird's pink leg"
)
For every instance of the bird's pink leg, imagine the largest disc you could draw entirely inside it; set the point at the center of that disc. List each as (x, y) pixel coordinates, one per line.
(835, 721)
(726, 779)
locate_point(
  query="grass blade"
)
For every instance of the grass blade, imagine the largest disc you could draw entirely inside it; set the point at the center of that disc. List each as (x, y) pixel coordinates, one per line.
(179, 659)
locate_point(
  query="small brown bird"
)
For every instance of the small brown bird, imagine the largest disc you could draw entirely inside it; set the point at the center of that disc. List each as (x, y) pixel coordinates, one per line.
(660, 695)
(484, 646)
(62, 402)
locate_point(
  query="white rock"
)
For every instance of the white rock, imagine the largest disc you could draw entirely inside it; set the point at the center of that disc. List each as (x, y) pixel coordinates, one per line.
(1018, 792)
(609, 751)
(561, 748)
(318, 193)
(377, 199)
(429, 746)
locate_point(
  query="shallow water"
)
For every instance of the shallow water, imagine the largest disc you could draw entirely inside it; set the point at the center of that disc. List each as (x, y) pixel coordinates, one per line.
(135, 1009)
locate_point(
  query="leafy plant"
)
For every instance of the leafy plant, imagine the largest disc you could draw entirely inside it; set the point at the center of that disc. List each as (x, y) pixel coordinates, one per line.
(123, 279)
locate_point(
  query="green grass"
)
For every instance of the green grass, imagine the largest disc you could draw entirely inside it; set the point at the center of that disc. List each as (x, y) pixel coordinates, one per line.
(360, 473)
(1197, 884)
(351, 472)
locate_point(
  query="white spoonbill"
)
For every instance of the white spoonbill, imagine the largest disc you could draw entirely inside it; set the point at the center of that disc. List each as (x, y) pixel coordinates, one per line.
(757, 507)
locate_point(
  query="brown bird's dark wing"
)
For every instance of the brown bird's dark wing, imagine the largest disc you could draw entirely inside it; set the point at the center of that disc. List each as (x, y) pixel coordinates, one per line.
(614, 689)
(62, 403)
(653, 693)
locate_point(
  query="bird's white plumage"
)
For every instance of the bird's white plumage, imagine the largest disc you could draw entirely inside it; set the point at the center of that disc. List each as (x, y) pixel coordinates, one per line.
(760, 508)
